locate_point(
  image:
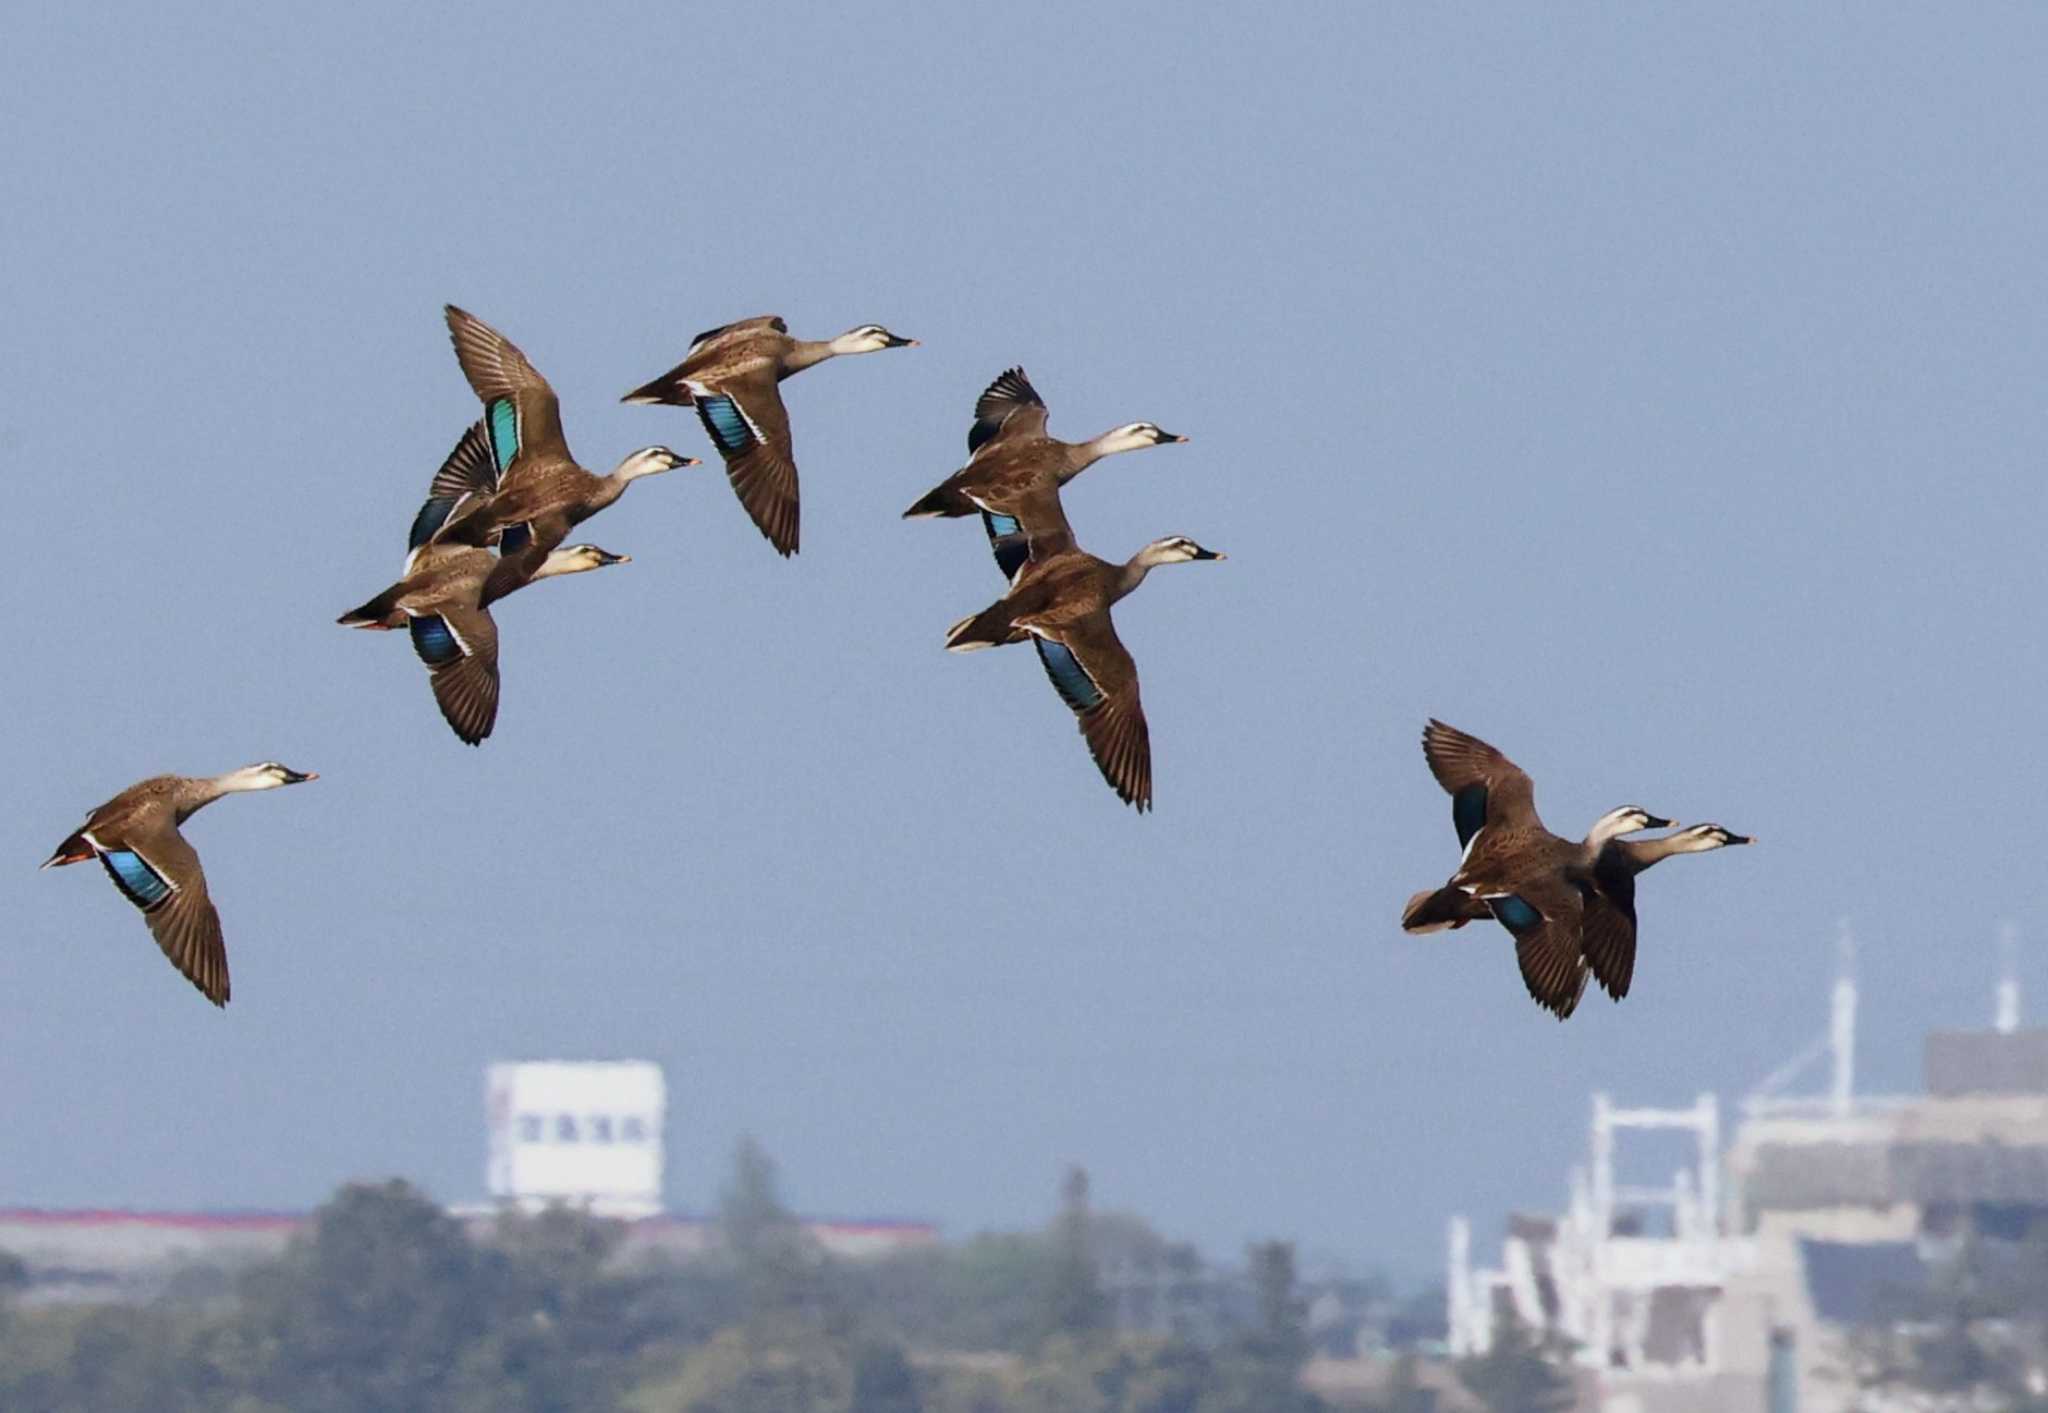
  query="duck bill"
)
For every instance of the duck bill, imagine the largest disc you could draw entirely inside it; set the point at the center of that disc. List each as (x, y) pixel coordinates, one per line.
(897, 342)
(300, 777)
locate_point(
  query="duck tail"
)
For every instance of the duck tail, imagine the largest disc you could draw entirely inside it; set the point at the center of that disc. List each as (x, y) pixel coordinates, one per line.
(74, 849)
(667, 390)
(989, 628)
(380, 612)
(943, 501)
(1434, 911)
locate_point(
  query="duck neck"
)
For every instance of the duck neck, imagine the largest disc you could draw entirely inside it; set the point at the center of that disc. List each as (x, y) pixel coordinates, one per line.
(197, 794)
(1643, 853)
(806, 353)
(1131, 575)
(1082, 455)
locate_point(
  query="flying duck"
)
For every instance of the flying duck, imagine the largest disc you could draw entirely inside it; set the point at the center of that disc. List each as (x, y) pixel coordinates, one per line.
(1015, 470)
(1535, 883)
(135, 837)
(1062, 601)
(730, 375)
(536, 493)
(445, 594)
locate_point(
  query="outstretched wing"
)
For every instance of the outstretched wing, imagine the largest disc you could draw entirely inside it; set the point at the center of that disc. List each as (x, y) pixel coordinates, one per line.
(750, 428)
(1545, 919)
(470, 470)
(1609, 943)
(160, 874)
(460, 648)
(1010, 407)
(1094, 674)
(520, 410)
(1485, 786)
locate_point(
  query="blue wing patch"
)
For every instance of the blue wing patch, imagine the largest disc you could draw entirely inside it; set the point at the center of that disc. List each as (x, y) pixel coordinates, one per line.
(1006, 539)
(433, 515)
(138, 882)
(726, 423)
(514, 538)
(433, 642)
(1075, 686)
(1514, 914)
(1468, 811)
(504, 420)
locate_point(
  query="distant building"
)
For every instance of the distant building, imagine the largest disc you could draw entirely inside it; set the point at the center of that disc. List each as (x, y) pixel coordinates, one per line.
(588, 1135)
(581, 1132)
(1731, 1290)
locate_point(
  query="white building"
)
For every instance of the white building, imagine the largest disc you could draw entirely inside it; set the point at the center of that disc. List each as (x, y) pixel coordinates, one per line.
(586, 1133)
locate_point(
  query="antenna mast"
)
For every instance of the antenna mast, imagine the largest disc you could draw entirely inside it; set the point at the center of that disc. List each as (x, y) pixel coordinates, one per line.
(1842, 1024)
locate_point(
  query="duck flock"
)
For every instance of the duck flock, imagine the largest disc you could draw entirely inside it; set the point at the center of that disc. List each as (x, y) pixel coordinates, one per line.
(501, 505)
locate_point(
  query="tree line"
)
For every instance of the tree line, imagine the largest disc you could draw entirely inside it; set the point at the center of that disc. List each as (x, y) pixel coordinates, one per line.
(388, 1304)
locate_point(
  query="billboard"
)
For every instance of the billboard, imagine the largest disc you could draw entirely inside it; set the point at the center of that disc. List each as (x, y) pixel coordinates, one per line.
(587, 1133)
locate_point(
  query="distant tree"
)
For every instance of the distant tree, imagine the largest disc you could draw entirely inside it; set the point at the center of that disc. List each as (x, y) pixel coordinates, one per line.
(883, 1381)
(13, 1276)
(750, 1210)
(1519, 1374)
(1075, 1304)
(780, 1270)
(1279, 1335)
(1260, 1369)
(798, 1371)
(372, 1310)
(988, 1293)
(567, 1331)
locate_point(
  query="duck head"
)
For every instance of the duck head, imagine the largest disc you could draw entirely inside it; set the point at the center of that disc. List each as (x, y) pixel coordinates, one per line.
(1176, 549)
(268, 775)
(1626, 820)
(651, 461)
(1134, 436)
(1700, 838)
(868, 338)
(579, 559)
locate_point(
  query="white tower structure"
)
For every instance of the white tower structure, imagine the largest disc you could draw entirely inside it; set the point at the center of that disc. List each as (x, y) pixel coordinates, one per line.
(1842, 1025)
(2006, 1014)
(1468, 1334)
(585, 1133)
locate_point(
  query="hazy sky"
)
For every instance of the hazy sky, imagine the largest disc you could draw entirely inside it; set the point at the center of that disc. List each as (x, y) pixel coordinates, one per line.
(1658, 395)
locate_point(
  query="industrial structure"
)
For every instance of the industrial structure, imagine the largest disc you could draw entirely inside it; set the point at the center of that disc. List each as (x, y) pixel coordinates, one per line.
(1734, 1288)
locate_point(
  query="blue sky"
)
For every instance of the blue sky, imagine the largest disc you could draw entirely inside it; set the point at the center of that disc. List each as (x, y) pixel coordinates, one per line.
(1656, 394)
